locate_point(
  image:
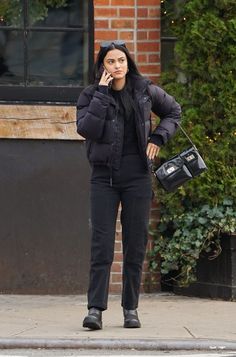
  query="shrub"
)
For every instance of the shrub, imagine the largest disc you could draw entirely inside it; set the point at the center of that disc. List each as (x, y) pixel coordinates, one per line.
(202, 79)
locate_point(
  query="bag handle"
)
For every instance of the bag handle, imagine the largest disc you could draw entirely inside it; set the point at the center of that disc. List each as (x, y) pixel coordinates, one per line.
(184, 132)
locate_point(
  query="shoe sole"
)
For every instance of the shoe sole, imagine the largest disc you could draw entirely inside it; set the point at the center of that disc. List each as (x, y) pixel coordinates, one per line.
(92, 325)
(132, 324)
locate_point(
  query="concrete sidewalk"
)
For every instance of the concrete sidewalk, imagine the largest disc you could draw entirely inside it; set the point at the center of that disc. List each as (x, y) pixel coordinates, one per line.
(168, 321)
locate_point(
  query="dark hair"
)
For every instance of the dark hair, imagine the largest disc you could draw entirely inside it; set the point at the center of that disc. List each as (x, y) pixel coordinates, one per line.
(133, 70)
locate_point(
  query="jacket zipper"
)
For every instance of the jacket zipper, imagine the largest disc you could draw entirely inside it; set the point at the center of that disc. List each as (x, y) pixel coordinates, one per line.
(115, 132)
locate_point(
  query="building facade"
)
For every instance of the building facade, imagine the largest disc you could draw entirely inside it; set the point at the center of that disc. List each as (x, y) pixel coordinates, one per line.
(46, 58)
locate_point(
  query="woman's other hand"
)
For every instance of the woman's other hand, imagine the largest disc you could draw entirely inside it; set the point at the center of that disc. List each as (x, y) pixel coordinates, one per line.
(152, 151)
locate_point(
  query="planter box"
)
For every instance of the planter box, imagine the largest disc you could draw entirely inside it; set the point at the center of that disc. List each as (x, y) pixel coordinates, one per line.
(215, 278)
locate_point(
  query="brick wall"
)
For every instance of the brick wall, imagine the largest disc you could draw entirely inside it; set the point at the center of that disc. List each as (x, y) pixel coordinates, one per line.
(138, 23)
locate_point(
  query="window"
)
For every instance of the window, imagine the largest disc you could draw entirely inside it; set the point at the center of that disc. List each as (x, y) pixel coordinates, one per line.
(168, 10)
(46, 49)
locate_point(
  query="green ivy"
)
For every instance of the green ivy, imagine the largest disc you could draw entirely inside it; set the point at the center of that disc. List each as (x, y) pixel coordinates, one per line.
(181, 239)
(202, 79)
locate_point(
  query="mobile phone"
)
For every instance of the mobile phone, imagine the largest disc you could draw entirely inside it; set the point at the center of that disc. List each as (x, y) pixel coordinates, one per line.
(110, 83)
(100, 71)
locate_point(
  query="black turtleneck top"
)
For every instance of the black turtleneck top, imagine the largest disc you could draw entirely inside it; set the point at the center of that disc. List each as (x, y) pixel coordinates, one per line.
(127, 115)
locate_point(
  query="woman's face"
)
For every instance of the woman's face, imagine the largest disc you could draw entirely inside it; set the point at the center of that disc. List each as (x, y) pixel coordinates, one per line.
(115, 62)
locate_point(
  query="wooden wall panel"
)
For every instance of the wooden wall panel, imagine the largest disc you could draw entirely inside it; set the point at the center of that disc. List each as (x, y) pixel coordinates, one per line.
(38, 122)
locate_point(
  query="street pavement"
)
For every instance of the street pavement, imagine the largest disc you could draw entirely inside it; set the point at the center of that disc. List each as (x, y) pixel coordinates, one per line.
(95, 353)
(169, 323)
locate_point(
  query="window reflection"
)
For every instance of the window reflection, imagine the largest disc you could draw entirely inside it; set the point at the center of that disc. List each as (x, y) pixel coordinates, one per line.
(57, 58)
(11, 57)
(169, 10)
(66, 14)
(49, 47)
(167, 54)
(11, 13)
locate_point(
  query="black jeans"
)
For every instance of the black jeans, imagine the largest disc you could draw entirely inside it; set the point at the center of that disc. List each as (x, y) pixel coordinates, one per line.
(132, 188)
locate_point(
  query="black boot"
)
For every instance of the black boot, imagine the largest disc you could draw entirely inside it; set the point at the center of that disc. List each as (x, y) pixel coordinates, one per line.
(131, 319)
(93, 320)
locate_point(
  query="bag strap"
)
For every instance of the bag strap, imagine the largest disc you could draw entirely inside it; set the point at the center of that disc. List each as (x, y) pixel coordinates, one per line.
(184, 132)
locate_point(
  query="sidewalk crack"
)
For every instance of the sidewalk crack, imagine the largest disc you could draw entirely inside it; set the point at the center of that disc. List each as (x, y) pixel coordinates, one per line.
(27, 329)
(191, 334)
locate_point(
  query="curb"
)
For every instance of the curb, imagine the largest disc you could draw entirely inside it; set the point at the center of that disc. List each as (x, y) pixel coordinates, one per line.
(140, 344)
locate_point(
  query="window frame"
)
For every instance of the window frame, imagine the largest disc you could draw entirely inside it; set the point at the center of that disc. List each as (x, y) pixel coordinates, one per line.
(17, 94)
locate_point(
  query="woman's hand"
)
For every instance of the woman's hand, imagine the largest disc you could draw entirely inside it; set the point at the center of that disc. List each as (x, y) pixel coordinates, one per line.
(106, 78)
(152, 151)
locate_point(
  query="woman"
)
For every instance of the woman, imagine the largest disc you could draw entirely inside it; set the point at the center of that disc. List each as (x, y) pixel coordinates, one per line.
(113, 115)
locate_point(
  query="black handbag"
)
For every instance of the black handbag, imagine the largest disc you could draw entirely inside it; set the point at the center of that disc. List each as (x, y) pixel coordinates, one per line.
(181, 168)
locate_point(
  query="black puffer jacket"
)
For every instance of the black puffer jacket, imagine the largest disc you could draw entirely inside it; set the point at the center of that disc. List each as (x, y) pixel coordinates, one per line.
(97, 120)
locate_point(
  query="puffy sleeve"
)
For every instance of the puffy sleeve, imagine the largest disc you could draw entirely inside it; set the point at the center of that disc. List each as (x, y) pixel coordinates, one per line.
(91, 113)
(169, 112)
